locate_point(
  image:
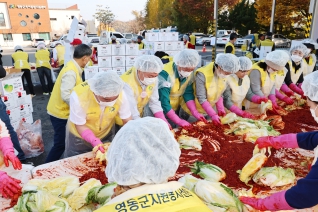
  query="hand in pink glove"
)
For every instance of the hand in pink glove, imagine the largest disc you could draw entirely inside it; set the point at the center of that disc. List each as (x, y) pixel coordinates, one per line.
(282, 141)
(220, 107)
(288, 100)
(209, 110)
(240, 112)
(7, 149)
(275, 202)
(173, 117)
(299, 85)
(161, 116)
(89, 136)
(8, 185)
(286, 90)
(248, 115)
(259, 99)
(294, 88)
(191, 105)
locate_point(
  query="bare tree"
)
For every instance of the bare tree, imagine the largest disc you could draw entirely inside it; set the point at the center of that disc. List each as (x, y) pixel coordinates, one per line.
(139, 22)
(104, 16)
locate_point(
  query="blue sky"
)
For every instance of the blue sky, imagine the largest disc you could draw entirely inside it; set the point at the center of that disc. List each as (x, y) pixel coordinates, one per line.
(121, 8)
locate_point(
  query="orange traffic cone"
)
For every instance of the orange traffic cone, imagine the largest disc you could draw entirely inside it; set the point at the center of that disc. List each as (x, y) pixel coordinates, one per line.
(203, 49)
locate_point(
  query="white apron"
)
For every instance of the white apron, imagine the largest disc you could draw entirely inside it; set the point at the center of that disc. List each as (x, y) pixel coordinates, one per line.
(310, 67)
(238, 92)
(295, 76)
(280, 78)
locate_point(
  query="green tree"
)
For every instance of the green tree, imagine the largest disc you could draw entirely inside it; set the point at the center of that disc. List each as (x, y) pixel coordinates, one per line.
(224, 21)
(104, 16)
(151, 16)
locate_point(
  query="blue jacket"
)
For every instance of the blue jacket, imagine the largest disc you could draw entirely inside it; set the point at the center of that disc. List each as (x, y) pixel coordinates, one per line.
(305, 193)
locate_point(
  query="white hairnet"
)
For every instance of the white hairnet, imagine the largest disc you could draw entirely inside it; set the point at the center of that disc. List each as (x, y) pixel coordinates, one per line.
(149, 63)
(299, 47)
(106, 84)
(245, 63)
(277, 59)
(41, 45)
(187, 58)
(228, 62)
(113, 37)
(143, 151)
(310, 41)
(17, 47)
(123, 41)
(186, 37)
(310, 86)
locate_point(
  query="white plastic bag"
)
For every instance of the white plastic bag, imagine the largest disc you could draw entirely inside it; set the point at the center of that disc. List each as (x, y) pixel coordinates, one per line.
(30, 138)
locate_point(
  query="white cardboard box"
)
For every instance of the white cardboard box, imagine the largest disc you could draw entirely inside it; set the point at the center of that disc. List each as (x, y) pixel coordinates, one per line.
(104, 69)
(118, 49)
(25, 111)
(104, 50)
(15, 125)
(149, 45)
(152, 36)
(27, 119)
(14, 114)
(11, 83)
(143, 52)
(164, 36)
(173, 36)
(170, 46)
(179, 45)
(118, 61)
(90, 71)
(23, 99)
(130, 60)
(128, 68)
(159, 46)
(9, 100)
(132, 49)
(119, 70)
(105, 62)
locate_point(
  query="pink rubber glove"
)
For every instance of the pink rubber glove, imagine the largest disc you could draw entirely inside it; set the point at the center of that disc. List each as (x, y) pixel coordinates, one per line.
(259, 99)
(275, 202)
(209, 110)
(272, 97)
(161, 116)
(89, 136)
(299, 85)
(6, 146)
(220, 107)
(294, 88)
(286, 90)
(248, 115)
(241, 113)
(284, 98)
(193, 109)
(8, 185)
(175, 118)
(282, 141)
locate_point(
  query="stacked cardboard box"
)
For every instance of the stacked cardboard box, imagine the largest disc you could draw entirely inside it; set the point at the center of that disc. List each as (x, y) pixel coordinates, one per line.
(19, 104)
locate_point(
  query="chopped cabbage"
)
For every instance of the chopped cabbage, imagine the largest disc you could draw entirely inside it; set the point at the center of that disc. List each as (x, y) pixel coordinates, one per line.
(187, 142)
(252, 166)
(189, 181)
(229, 118)
(274, 176)
(208, 171)
(101, 194)
(266, 106)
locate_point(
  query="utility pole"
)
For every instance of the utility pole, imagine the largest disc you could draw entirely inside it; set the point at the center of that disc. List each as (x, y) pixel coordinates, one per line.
(215, 23)
(312, 20)
(273, 16)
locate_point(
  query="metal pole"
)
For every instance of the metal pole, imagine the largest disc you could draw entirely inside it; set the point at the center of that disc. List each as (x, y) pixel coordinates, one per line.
(313, 11)
(273, 16)
(215, 22)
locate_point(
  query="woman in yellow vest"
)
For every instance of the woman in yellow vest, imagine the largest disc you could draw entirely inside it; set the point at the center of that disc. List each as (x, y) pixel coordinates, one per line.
(94, 104)
(58, 55)
(142, 88)
(142, 170)
(140, 43)
(295, 69)
(186, 42)
(310, 57)
(263, 77)
(20, 60)
(43, 67)
(210, 83)
(279, 82)
(239, 89)
(58, 106)
(175, 85)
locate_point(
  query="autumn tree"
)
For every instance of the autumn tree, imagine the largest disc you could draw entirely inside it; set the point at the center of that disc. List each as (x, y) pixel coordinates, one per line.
(151, 16)
(104, 16)
(138, 23)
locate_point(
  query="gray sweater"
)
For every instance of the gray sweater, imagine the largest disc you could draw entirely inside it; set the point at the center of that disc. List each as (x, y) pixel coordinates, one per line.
(255, 77)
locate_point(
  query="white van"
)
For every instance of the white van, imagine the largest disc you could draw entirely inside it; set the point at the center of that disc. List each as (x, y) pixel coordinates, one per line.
(223, 32)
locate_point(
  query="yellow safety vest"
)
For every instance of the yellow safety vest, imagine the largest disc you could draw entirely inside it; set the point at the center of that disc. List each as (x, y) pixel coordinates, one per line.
(257, 41)
(100, 122)
(130, 77)
(176, 91)
(180, 200)
(233, 47)
(238, 91)
(267, 42)
(20, 59)
(310, 65)
(56, 106)
(42, 57)
(192, 38)
(280, 78)
(141, 45)
(60, 54)
(295, 76)
(214, 86)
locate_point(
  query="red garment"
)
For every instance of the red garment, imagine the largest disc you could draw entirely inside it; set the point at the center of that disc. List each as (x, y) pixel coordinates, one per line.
(76, 41)
(190, 46)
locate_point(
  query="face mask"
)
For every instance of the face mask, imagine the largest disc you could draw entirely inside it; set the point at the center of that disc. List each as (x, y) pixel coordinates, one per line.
(270, 70)
(107, 104)
(312, 111)
(149, 81)
(185, 73)
(296, 58)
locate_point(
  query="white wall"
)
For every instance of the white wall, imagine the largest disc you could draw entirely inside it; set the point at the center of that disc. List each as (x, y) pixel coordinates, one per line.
(314, 30)
(63, 21)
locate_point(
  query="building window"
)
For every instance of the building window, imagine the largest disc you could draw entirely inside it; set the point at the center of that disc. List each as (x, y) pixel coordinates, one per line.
(53, 19)
(19, 14)
(7, 37)
(23, 23)
(44, 35)
(27, 16)
(26, 36)
(39, 23)
(36, 16)
(2, 21)
(72, 16)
